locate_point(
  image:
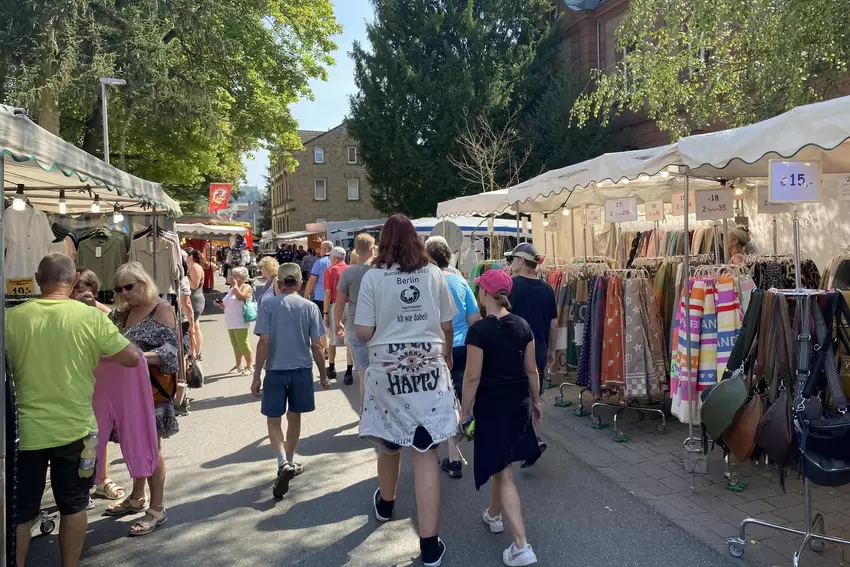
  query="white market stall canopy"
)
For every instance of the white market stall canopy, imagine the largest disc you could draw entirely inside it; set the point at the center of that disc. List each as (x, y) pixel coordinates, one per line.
(483, 204)
(44, 163)
(469, 225)
(209, 232)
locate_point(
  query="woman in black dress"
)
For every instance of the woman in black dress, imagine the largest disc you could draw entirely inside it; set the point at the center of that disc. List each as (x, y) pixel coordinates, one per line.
(501, 390)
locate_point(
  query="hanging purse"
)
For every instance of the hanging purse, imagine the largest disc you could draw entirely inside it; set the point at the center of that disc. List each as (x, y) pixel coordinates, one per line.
(740, 439)
(775, 435)
(194, 373)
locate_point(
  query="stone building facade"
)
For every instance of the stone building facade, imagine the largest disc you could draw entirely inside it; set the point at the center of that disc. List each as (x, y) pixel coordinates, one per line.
(328, 183)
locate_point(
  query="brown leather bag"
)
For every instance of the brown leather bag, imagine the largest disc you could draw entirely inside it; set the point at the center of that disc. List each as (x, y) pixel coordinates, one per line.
(741, 437)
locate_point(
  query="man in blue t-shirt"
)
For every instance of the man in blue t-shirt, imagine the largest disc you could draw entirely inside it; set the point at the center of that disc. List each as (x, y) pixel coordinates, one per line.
(533, 299)
(316, 282)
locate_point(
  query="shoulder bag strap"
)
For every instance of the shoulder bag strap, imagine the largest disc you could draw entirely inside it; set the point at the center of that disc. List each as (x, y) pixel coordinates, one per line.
(825, 358)
(781, 348)
(743, 350)
(804, 386)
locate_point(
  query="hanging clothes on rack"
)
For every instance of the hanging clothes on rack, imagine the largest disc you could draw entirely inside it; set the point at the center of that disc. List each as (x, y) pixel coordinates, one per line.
(102, 251)
(777, 271)
(166, 257)
(27, 237)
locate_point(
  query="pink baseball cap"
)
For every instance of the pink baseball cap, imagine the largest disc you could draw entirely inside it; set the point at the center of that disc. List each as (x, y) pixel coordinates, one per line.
(494, 281)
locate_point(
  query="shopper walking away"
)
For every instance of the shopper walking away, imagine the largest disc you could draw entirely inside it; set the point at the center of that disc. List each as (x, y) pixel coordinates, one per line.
(502, 392)
(316, 283)
(467, 315)
(332, 276)
(405, 311)
(195, 273)
(289, 328)
(346, 301)
(233, 305)
(533, 300)
(149, 323)
(268, 269)
(54, 344)
(307, 263)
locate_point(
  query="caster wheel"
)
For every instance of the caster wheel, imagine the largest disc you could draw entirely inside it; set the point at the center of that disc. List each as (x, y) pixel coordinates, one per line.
(736, 549)
(596, 421)
(47, 527)
(816, 545)
(661, 429)
(621, 437)
(641, 416)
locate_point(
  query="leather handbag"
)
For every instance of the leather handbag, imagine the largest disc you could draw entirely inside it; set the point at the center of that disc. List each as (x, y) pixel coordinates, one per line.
(775, 436)
(194, 374)
(741, 437)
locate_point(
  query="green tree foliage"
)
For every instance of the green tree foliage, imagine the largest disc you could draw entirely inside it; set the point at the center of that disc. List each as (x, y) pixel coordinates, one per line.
(432, 67)
(207, 80)
(265, 222)
(696, 63)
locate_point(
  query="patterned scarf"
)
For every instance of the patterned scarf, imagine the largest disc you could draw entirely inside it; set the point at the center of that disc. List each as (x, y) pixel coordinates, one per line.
(636, 342)
(613, 374)
(729, 320)
(681, 382)
(707, 342)
(597, 325)
(655, 339)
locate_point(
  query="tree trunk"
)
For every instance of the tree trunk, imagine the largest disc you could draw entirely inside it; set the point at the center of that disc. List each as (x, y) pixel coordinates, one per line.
(92, 137)
(47, 100)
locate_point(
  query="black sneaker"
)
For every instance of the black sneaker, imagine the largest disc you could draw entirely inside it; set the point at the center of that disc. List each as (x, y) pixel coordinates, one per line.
(332, 373)
(434, 558)
(348, 380)
(285, 473)
(454, 468)
(383, 509)
(526, 464)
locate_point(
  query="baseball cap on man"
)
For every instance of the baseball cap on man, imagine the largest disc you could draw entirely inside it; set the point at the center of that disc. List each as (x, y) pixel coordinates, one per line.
(289, 273)
(494, 281)
(526, 251)
(338, 252)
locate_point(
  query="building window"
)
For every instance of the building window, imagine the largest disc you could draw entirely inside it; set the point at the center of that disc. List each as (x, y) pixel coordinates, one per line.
(352, 154)
(353, 189)
(320, 192)
(318, 155)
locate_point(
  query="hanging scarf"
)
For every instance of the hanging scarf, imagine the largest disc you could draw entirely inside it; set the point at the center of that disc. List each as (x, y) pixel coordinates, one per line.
(729, 320)
(636, 343)
(582, 319)
(597, 325)
(683, 383)
(658, 363)
(613, 374)
(707, 343)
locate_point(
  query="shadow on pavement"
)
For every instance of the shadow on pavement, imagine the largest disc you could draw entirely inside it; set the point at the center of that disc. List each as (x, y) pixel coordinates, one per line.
(222, 402)
(253, 453)
(330, 441)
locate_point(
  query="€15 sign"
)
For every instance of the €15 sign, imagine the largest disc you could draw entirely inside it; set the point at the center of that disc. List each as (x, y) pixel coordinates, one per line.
(220, 196)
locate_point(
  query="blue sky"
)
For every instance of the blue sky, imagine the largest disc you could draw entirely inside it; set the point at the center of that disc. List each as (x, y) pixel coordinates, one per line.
(331, 97)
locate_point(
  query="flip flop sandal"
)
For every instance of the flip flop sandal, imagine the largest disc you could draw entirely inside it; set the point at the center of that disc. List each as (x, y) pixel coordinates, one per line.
(235, 370)
(147, 526)
(299, 468)
(109, 490)
(127, 506)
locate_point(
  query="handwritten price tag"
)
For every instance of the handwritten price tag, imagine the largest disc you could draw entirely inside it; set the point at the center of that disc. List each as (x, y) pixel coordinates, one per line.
(844, 189)
(715, 204)
(766, 207)
(554, 223)
(593, 215)
(679, 203)
(20, 286)
(794, 181)
(621, 210)
(655, 210)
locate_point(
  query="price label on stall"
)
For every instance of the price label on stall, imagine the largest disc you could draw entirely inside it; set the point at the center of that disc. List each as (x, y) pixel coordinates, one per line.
(715, 204)
(844, 189)
(20, 286)
(766, 207)
(794, 181)
(554, 223)
(621, 210)
(679, 203)
(655, 210)
(593, 215)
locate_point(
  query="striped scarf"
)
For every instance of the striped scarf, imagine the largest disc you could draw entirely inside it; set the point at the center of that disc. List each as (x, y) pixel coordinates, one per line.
(682, 383)
(729, 320)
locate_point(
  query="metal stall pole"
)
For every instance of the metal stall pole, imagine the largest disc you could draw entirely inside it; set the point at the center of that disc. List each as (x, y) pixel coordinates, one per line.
(797, 276)
(518, 231)
(716, 229)
(3, 479)
(775, 237)
(584, 234)
(657, 240)
(573, 234)
(154, 228)
(726, 255)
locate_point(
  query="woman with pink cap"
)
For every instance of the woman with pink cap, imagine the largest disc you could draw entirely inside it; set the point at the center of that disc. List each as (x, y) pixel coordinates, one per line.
(501, 390)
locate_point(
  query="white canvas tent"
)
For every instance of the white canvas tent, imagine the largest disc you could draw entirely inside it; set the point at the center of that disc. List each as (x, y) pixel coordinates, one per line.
(209, 232)
(485, 204)
(44, 163)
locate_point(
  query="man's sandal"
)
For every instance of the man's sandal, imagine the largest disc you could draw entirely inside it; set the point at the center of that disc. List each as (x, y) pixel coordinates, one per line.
(149, 522)
(110, 490)
(127, 506)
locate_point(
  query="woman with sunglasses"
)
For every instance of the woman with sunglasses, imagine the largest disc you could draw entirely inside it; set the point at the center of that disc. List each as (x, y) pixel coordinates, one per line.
(149, 323)
(233, 306)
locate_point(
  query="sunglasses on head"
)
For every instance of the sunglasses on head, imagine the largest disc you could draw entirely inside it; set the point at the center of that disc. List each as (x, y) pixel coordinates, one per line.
(124, 288)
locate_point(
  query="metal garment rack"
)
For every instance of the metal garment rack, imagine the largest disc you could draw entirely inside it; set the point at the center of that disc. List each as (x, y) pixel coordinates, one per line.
(814, 534)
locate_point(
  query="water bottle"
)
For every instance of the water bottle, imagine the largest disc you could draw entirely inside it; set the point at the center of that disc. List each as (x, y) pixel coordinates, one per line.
(88, 456)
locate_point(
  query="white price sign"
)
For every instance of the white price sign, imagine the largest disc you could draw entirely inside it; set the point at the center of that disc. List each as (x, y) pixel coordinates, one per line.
(554, 223)
(593, 215)
(715, 204)
(794, 181)
(655, 210)
(844, 189)
(768, 208)
(621, 210)
(679, 203)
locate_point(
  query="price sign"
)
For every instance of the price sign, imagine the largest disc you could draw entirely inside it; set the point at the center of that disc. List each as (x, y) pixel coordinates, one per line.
(794, 181)
(679, 203)
(655, 210)
(20, 286)
(554, 223)
(621, 210)
(593, 215)
(715, 204)
(766, 207)
(844, 189)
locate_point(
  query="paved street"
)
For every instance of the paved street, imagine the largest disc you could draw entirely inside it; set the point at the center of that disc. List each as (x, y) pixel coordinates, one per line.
(221, 511)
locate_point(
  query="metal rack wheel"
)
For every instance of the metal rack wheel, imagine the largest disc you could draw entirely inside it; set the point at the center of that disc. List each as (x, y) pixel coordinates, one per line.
(816, 545)
(47, 526)
(736, 549)
(661, 429)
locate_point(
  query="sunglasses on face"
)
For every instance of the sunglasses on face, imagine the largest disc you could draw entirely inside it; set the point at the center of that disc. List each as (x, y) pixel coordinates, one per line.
(124, 288)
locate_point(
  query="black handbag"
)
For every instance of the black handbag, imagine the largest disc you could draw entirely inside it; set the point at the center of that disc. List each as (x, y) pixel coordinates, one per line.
(824, 437)
(195, 374)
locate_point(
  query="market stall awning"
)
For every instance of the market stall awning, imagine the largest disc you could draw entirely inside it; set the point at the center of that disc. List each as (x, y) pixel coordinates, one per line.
(44, 163)
(484, 204)
(208, 231)
(294, 235)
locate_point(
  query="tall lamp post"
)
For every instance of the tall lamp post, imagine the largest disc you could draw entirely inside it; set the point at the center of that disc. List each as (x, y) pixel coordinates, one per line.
(104, 82)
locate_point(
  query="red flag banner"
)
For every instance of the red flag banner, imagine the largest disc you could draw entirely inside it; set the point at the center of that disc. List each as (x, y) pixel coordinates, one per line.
(219, 196)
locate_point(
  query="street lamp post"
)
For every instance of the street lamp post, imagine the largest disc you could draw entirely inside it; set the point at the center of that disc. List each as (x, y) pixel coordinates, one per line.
(104, 81)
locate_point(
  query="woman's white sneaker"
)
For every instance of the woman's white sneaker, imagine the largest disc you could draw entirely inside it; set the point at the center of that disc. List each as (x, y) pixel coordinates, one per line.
(515, 557)
(496, 524)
